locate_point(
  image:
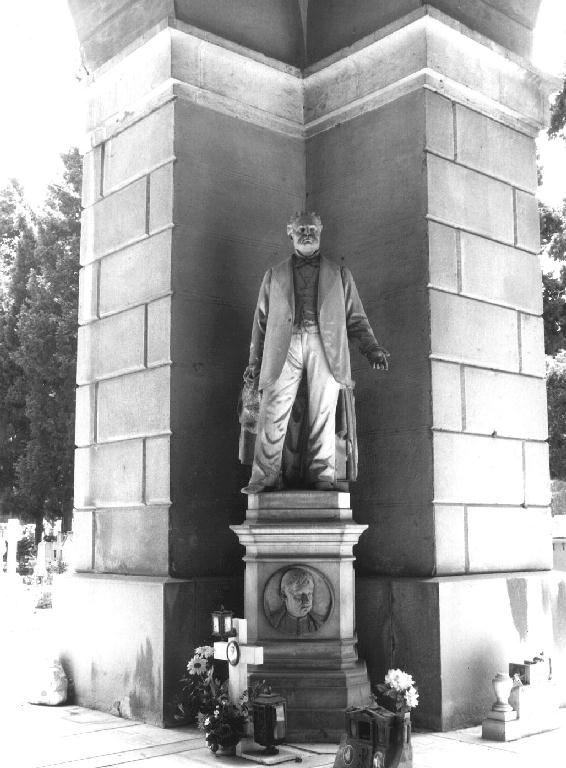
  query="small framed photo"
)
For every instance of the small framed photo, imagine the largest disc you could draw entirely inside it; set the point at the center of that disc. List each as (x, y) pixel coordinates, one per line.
(233, 652)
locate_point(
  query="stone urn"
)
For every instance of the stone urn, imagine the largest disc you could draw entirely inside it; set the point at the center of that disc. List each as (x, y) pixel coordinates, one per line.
(502, 685)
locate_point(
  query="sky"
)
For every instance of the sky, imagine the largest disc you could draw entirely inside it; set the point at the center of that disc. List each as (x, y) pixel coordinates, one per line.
(41, 92)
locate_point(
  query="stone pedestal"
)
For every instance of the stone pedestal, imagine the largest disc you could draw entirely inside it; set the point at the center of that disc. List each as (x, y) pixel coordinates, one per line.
(535, 709)
(315, 664)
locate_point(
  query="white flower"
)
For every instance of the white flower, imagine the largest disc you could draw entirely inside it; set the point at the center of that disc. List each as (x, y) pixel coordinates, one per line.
(196, 666)
(398, 680)
(207, 721)
(412, 697)
(204, 652)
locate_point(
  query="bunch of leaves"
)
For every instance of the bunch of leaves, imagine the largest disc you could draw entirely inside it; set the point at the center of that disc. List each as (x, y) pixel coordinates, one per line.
(57, 567)
(225, 725)
(398, 692)
(558, 114)
(553, 242)
(202, 685)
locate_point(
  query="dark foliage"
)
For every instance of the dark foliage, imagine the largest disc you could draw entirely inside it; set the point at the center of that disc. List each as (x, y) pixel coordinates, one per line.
(38, 317)
(558, 114)
(556, 393)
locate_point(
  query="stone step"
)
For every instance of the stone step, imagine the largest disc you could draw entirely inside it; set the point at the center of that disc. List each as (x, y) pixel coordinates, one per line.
(315, 500)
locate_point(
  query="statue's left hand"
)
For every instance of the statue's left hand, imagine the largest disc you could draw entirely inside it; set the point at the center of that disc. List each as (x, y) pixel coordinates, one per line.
(379, 359)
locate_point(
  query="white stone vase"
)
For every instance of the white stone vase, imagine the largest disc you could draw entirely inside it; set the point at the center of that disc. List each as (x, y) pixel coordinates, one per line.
(502, 685)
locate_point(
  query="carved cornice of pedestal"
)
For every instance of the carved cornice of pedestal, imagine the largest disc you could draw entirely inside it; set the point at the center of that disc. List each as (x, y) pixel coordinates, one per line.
(312, 540)
(312, 524)
(427, 49)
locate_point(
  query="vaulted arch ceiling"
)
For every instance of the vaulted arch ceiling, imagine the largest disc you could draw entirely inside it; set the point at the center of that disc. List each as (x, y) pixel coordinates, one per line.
(297, 32)
(335, 24)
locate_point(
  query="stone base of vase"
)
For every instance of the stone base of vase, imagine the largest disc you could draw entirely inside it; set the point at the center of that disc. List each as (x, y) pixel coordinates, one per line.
(257, 755)
(226, 751)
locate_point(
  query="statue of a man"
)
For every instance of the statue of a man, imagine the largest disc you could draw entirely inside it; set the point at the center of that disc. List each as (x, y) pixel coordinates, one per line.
(307, 311)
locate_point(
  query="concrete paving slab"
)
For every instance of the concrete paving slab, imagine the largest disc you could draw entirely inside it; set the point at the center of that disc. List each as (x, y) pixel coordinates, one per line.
(75, 737)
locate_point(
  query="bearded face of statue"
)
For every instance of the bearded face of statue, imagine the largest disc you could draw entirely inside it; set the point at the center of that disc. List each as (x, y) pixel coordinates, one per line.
(305, 231)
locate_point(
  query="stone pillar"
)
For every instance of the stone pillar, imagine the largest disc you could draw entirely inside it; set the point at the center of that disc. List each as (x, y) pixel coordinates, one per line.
(421, 157)
(185, 194)
(411, 129)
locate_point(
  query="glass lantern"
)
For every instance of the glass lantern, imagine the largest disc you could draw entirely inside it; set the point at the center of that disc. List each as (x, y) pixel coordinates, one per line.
(222, 623)
(270, 721)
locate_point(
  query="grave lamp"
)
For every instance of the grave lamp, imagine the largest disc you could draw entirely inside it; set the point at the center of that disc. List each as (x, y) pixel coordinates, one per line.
(222, 623)
(270, 721)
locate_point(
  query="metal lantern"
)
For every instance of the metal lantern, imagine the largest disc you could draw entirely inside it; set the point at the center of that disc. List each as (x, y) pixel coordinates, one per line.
(222, 623)
(270, 721)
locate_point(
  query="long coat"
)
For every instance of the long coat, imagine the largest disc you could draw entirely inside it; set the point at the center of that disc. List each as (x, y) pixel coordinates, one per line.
(341, 316)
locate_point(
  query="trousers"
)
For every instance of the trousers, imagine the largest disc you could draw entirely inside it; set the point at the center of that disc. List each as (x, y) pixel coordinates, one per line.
(306, 353)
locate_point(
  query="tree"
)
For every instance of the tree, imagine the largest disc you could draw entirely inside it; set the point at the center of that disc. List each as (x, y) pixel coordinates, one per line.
(553, 241)
(43, 297)
(558, 114)
(17, 247)
(556, 393)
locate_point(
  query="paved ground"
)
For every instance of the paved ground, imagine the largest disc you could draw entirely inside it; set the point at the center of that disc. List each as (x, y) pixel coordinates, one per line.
(74, 737)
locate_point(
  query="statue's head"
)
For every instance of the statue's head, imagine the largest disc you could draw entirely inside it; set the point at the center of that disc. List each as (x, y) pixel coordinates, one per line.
(297, 590)
(304, 230)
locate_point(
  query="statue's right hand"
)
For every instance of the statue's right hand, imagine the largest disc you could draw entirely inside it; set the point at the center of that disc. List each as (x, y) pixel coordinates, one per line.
(251, 374)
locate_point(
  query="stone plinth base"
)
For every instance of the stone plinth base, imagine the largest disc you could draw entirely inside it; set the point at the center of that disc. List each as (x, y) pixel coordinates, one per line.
(126, 639)
(312, 661)
(535, 710)
(452, 633)
(316, 700)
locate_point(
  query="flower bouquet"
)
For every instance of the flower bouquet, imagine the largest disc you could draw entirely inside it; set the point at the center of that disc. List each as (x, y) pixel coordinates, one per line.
(203, 698)
(398, 693)
(224, 726)
(201, 685)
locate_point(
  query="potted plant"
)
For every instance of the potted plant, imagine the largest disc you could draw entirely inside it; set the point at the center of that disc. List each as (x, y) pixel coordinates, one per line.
(398, 694)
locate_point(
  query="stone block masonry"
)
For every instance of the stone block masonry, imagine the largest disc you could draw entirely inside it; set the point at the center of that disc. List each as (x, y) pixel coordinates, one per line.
(488, 387)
